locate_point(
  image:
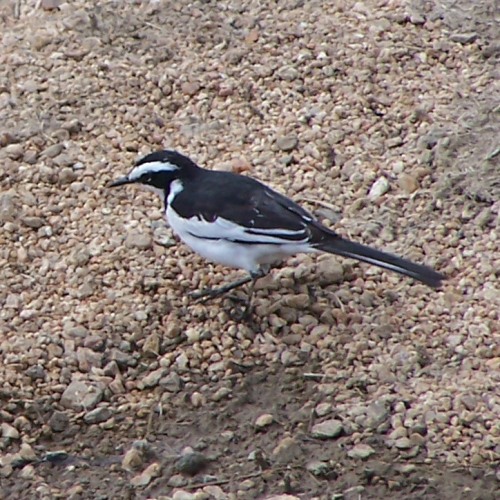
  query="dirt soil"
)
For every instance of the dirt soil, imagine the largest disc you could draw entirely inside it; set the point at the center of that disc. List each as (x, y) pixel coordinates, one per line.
(383, 118)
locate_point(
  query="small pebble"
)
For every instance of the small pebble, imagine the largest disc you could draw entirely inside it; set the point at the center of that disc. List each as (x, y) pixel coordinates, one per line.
(362, 451)
(8, 431)
(403, 443)
(408, 183)
(464, 38)
(139, 240)
(191, 463)
(27, 453)
(190, 88)
(133, 459)
(177, 481)
(287, 450)
(318, 468)
(97, 415)
(221, 393)
(183, 495)
(147, 475)
(323, 409)
(33, 222)
(287, 142)
(328, 429)
(264, 420)
(379, 188)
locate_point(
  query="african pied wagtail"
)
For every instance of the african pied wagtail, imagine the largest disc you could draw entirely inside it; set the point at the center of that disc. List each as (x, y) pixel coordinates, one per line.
(239, 222)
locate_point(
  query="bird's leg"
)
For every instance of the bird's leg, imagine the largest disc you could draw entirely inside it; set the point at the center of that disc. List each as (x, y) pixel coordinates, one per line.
(247, 308)
(211, 293)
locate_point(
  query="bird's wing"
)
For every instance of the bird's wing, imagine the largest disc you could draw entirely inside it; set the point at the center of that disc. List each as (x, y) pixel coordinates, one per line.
(252, 214)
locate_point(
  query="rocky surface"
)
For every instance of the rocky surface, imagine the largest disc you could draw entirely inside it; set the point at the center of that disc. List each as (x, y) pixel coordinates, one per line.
(347, 382)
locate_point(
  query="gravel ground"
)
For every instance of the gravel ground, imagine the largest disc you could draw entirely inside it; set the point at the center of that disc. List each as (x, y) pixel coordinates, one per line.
(348, 382)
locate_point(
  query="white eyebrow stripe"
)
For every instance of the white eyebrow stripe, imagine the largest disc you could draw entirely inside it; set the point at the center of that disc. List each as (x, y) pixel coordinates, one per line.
(153, 166)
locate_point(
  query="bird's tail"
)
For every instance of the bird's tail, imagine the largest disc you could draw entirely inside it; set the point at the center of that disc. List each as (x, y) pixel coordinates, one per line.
(332, 243)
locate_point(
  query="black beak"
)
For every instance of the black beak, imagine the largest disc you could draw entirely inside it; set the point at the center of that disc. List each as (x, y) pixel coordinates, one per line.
(120, 182)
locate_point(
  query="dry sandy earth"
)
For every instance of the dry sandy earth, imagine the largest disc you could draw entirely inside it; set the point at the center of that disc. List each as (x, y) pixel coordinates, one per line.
(348, 382)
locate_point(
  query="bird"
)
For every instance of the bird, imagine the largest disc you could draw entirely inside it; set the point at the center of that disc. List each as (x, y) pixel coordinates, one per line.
(237, 221)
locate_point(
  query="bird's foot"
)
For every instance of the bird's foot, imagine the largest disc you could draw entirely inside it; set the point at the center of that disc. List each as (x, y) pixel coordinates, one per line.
(239, 314)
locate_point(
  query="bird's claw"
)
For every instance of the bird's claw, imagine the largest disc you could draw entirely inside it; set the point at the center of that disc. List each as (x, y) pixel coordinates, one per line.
(241, 314)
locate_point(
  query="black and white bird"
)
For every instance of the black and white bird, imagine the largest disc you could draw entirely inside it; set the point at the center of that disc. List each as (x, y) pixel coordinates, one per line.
(237, 221)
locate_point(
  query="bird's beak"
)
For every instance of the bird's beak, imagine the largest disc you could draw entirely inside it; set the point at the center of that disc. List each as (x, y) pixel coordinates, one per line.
(120, 182)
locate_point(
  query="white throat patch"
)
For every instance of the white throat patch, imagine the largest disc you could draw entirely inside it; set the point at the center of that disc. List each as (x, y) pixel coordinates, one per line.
(175, 188)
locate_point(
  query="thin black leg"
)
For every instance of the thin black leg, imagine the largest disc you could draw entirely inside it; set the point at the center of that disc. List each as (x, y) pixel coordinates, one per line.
(245, 313)
(212, 293)
(247, 309)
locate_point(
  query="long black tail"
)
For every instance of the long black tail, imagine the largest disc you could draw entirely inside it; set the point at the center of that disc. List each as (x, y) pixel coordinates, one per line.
(333, 243)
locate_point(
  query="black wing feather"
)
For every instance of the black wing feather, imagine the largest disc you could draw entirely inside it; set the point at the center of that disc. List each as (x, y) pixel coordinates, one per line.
(244, 201)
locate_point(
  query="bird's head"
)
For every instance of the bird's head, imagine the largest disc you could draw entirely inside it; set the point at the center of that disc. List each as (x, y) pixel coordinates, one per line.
(156, 171)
